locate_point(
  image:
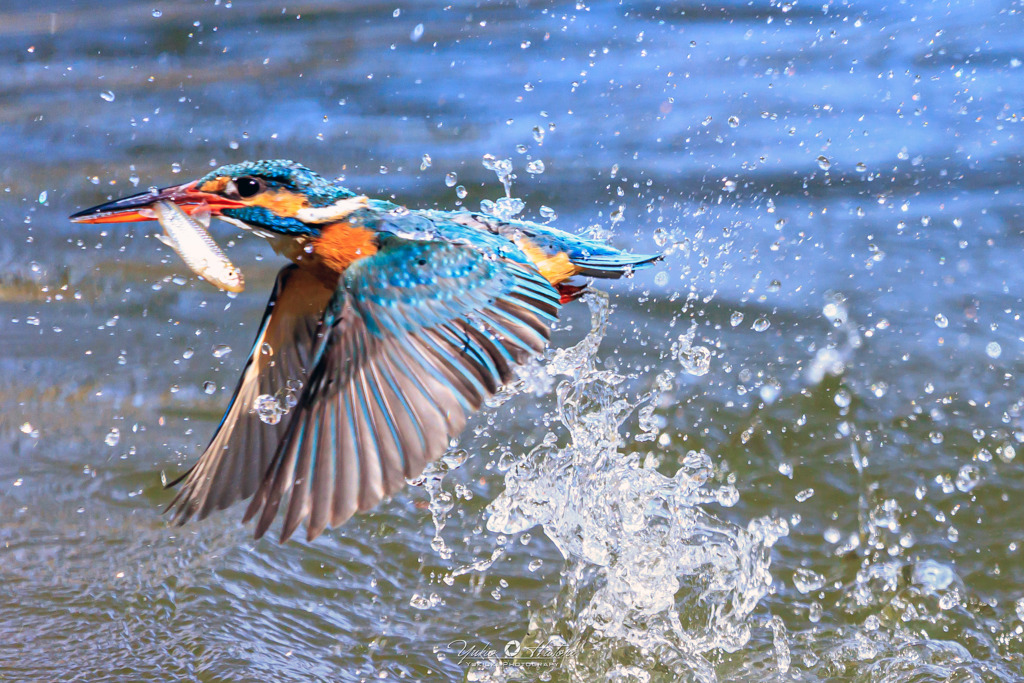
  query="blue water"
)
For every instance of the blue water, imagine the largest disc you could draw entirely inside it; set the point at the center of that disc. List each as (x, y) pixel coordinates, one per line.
(846, 172)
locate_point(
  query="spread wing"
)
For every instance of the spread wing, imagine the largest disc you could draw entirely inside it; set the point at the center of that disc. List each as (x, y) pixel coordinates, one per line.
(233, 465)
(413, 340)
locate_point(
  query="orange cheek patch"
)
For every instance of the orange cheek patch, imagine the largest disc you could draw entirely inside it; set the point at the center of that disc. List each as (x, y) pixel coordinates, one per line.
(340, 244)
(215, 185)
(280, 202)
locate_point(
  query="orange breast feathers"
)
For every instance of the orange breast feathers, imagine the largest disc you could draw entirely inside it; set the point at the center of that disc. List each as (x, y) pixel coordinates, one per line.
(339, 244)
(555, 268)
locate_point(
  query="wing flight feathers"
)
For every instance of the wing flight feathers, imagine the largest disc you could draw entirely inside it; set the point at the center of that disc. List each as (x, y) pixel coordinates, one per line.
(236, 460)
(412, 342)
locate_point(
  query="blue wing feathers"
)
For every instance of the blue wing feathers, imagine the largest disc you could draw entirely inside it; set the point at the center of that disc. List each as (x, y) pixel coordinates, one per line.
(410, 344)
(402, 362)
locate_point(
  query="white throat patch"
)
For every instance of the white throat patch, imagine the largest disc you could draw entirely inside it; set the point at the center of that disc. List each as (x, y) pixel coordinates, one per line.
(337, 211)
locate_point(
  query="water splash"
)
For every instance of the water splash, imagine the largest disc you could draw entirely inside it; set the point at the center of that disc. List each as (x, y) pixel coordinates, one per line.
(652, 581)
(507, 207)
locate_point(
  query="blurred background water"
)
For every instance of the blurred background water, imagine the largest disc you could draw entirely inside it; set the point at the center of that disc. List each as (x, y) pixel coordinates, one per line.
(818, 389)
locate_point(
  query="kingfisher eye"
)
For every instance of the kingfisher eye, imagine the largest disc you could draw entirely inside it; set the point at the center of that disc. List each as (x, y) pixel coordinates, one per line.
(248, 187)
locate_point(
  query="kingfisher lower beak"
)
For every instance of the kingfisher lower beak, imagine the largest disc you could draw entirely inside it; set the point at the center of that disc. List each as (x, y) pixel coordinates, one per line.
(137, 207)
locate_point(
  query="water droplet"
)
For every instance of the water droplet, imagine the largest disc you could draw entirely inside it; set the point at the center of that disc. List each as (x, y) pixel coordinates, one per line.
(175, 167)
(112, 437)
(426, 162)
(941, 320)
(209, 387)
(807, 580)
(455, 458)
(536, 564)
(736, 318)
(696, 360)
(461, 192)
(814, 612)
(734, 121)
(1019, 608)
(804, 495)
(861, 167)
(268, 409)
(157, 14)
(968, 477)
(547, 213)
(188, 353)
(823, 163)
(450, 179)
(42, 197)
(727, 495)
(661, 237)
(535, 167)
(417, 33)
(420, 601)
(661, 279)
(221, 350)
(761, 324)
(108, 95)
(538, 133)
(26, 428)
(994, 350)
(932, 575)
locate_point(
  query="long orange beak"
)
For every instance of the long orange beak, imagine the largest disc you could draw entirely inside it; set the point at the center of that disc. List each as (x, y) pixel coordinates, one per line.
(136, 207)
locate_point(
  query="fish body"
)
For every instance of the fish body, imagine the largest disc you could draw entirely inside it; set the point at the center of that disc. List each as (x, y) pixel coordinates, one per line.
(190, 239)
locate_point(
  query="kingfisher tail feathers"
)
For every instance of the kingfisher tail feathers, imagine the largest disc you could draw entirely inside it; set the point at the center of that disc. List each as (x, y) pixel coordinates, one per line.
(612, 265)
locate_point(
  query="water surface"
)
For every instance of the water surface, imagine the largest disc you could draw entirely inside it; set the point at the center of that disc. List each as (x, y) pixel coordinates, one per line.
(836, 329)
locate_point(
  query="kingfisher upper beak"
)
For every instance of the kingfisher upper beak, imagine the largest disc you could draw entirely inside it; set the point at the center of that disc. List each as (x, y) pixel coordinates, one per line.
(137, 206)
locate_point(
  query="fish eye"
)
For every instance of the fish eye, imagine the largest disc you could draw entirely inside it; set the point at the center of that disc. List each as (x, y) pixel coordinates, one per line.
(247, 186)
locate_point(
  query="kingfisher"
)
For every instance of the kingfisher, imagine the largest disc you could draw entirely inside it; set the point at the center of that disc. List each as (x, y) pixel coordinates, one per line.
(396, 323)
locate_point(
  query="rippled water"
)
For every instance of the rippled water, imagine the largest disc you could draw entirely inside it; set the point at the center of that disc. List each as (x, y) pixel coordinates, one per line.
(787, 453)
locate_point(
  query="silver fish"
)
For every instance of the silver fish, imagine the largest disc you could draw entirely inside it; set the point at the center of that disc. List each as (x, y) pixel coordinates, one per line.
(189, 238)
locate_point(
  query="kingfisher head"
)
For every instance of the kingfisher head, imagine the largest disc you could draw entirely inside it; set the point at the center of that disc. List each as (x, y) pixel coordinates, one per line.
(272, 197)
